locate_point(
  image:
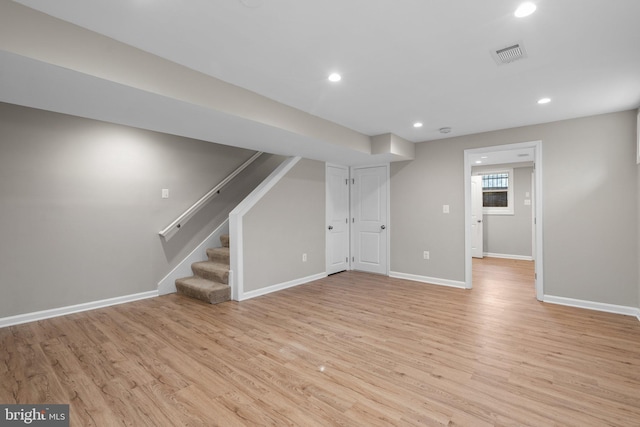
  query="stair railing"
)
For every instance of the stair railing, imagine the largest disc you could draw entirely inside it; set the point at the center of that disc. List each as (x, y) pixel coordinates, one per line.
(169, 231)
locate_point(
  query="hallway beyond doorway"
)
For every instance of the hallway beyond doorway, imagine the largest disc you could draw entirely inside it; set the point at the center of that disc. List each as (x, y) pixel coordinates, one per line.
(504, 279)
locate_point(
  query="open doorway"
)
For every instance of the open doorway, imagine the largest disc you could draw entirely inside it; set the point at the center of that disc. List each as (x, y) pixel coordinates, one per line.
(502, 209)
(509, 281)
(498, 163)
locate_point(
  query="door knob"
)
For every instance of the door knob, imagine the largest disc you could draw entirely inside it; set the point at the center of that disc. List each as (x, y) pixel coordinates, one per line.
(383, 227)
(331, 227)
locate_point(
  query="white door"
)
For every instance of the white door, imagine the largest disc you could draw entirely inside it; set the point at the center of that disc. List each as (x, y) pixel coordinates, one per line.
(337, 219)
(476, 217)
(369, 219)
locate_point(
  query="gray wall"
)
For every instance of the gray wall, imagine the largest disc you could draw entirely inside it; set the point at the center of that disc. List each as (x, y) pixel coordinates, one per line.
(511, 234)
(81, 208)
(286, 223)
(590, 205)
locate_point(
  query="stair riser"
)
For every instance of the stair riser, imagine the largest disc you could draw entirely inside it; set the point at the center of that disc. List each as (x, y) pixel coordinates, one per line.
(220, 296)
(214, 276)
(224, 239)
(212, 297)
(220, 259)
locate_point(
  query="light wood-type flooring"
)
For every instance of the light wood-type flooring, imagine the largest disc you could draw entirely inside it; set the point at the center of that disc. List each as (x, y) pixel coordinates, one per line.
(353, 349)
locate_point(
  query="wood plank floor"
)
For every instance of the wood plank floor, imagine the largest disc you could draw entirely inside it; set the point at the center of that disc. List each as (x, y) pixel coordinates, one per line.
(353, 349)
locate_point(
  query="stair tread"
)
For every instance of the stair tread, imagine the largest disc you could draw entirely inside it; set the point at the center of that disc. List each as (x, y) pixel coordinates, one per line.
(210, 266)
(221, 255)
(223, 249)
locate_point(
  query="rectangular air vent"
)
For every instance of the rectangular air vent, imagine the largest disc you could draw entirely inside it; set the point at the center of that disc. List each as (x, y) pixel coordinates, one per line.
(507, 55)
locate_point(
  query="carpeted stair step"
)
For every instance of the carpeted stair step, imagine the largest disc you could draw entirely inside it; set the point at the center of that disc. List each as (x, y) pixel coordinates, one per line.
(205, 290)
(219, 255)
(211, 278)
(213, 271)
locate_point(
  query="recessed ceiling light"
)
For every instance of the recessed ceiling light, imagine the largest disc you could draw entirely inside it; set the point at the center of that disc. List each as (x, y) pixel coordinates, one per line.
(544, 100)
(417, 125)
(525, 9)
(484, 157)
(335, 77)
(478, 162)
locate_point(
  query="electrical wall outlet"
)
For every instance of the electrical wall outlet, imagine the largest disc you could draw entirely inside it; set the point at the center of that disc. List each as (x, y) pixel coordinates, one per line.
(165, 193)
(304, 257)
(445, 209)
(425, 255)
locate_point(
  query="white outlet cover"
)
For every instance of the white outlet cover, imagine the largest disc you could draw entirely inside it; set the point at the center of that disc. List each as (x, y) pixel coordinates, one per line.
(165, 193)
(445, 208)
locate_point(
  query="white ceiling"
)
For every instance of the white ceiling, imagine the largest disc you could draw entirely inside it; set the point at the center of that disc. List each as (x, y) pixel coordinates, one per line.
(401, 60)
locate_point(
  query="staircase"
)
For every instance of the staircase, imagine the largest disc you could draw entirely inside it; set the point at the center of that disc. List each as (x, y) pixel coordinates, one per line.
(210, 281)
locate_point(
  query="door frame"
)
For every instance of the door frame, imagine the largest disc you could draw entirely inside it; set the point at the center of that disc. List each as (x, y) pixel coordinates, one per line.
(538, 211)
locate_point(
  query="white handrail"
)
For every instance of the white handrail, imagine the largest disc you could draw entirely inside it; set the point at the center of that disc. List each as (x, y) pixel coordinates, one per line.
(169, 231)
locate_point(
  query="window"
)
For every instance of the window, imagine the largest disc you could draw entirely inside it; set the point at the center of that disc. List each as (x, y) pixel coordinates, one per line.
(497, 192)
(495, 188)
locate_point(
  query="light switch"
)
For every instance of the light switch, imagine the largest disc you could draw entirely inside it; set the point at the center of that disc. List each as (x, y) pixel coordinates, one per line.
(165, 193)
(527, 202)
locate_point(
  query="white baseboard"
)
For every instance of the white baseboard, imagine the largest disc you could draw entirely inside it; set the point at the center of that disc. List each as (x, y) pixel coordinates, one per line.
(507, 256)
(592, 305)
(430, 280)
(280, 286)
(168, 284)
(62, 311)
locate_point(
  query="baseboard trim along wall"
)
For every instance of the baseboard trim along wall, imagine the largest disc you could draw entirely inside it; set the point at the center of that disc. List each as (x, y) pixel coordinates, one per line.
(507, 256)
(591, 305)
(63, 311)
(429, 280)
(280, 286)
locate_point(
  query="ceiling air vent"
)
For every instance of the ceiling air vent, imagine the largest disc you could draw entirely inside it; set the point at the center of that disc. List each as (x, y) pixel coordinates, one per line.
(507, 55)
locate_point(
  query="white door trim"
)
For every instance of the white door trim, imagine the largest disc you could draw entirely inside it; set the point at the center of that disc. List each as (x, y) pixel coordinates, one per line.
(537, 194)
